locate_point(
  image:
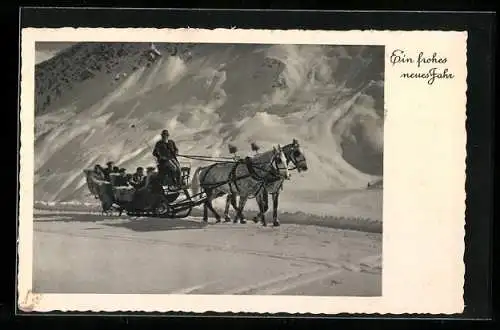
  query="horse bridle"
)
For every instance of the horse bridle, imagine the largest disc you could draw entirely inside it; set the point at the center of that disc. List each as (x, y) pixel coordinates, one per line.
(292, 156)
(274, 172)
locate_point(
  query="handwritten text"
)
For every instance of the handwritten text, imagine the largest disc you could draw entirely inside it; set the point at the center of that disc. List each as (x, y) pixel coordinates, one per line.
(421, 60)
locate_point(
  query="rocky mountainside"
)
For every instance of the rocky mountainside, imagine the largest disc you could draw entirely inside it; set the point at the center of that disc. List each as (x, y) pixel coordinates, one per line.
(96, 102)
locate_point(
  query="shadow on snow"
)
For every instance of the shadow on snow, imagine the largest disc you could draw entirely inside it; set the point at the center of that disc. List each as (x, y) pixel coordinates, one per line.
(144, 224)
(156, 224)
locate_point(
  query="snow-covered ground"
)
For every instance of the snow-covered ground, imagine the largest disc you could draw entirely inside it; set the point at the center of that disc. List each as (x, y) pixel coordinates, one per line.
(78, 252)
(358, 209)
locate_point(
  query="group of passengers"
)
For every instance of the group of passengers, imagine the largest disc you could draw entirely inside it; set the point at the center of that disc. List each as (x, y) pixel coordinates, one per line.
(165, 151)
(120, 178)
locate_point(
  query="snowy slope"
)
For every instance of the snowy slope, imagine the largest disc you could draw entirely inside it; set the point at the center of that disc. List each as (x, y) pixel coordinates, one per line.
(100, 102)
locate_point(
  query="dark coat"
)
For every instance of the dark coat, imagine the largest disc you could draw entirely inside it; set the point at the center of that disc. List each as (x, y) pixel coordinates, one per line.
(138, 180)
(165, 150)
(121, 180)
(107, 171)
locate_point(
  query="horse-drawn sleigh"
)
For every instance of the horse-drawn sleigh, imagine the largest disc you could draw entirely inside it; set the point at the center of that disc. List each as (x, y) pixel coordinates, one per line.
(250, 177)
(154, 199)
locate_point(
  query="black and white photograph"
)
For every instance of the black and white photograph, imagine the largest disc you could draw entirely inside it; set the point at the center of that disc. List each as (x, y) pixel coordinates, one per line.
(208, 168)
(231, 170)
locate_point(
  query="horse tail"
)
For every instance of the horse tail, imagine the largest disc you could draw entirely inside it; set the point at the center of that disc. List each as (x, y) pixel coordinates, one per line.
(195, 181)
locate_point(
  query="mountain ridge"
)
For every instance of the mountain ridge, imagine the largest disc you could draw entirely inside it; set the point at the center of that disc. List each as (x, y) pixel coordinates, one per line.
(208, 96)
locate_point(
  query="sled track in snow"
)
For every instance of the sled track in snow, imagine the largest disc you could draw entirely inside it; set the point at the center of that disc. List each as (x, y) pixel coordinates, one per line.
(213, 259)
(212, 247)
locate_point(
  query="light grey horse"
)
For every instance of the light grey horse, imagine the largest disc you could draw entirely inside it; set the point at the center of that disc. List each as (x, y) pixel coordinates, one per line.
(244, 178)
(294, 155)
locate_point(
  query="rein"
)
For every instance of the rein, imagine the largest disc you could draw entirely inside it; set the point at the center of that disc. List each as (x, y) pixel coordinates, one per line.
(270, 174)
(221, 160)
(218, 160)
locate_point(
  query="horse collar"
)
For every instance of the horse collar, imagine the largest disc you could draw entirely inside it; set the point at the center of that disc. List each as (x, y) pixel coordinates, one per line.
(269, 175)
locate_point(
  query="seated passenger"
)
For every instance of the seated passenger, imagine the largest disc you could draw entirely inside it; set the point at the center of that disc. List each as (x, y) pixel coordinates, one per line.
(150, 174)
(138, 178)
(121, 179)
(113, 179)
(99, 172)
(108, 170)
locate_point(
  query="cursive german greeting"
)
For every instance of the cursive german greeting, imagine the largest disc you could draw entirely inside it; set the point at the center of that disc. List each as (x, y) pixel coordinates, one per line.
(429, 66)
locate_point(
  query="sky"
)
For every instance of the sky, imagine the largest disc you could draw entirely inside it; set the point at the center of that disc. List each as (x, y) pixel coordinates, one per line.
(46, 50)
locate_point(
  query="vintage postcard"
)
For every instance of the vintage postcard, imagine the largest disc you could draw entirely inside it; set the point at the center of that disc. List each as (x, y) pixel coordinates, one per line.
(191, 170)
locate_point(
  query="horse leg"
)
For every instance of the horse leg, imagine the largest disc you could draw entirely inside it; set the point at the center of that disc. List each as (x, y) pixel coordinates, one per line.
(239, 212)
(229, 198)
(208, 206)
(205, 205)
(262, 211)
(262, 199)
(211, 208)
(259, 201)
(276, 197)
(205, 212)
(234, 203)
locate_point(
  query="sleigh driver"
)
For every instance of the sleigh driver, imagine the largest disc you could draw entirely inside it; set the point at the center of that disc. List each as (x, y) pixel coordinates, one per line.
(166, 152)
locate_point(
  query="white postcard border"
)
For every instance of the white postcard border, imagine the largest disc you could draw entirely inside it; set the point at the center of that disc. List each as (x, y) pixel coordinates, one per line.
(424, 180)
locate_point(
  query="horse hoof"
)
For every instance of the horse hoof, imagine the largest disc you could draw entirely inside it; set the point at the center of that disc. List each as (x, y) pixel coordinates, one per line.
(243, 221)
(264, 224)
(227, 220)
(217, 221)
(255, 220)
(276, 224)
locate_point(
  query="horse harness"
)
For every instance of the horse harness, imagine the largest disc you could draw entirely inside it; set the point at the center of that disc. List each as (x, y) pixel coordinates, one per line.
(232, 181)
(264, 180)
